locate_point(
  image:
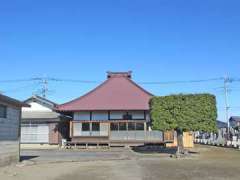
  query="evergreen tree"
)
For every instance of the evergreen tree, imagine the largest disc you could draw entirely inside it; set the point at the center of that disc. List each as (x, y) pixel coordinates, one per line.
(191, 112)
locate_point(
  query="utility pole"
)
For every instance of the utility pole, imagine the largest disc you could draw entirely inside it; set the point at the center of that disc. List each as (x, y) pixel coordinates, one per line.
(227, 107)
(45, 87)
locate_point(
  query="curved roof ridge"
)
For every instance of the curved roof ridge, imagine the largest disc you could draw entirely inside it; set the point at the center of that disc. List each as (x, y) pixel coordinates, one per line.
(139, 87)
(128, 97)
(86, 94)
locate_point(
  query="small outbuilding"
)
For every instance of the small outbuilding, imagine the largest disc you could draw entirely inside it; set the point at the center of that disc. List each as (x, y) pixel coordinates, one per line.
(10, 115)
(234, 121)
(41, 125)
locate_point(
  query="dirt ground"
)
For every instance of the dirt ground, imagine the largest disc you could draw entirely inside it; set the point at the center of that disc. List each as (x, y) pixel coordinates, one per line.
(208, 163)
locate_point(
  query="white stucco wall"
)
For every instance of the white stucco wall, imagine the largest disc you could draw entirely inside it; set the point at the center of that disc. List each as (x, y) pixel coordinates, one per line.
(116, 114)
(36, 107)
(100, 115)
(78, 116)
(103, 115)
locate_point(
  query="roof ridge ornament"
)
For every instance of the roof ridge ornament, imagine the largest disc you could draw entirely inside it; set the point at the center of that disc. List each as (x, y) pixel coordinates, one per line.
(127, 74)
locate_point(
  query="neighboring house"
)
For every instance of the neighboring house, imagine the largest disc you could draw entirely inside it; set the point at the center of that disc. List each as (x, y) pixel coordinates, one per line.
(222, 125)
(234, 121)
(10, 115)
(116, 112)
(41, 125)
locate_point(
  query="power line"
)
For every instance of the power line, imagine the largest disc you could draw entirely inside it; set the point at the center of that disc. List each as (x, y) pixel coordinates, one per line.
(20, 80)
(91, 81)
(17, 89)
(184, 82)
(73, 80)
(44, 81)
(146, 82)
(48, 79)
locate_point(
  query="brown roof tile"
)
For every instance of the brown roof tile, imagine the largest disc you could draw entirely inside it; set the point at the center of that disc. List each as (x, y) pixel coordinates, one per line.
(118, 92)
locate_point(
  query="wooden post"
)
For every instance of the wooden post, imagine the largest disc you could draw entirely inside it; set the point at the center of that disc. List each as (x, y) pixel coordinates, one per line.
(145, 131)
(71, 130)
(109, 130)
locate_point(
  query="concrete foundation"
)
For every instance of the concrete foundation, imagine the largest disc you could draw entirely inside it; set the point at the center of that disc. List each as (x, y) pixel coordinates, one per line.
(9, 152)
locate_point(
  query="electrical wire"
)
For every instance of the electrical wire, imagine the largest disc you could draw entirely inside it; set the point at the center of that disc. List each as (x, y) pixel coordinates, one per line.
(89, 81)
(183, 82)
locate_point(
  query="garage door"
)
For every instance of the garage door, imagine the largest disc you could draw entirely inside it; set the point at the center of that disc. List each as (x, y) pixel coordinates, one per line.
(34, 133)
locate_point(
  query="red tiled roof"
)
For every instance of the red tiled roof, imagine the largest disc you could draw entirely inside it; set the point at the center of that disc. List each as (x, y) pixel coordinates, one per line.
(118, 92)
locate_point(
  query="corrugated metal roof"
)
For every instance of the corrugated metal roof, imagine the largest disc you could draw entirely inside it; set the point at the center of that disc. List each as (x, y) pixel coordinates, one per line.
(39, 115)
(221, 124)
(235, 118)
(118, 92)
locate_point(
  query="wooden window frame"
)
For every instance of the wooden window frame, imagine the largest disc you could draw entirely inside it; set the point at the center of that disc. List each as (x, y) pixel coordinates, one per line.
(127, 113)
(92, 127)
(89, 127)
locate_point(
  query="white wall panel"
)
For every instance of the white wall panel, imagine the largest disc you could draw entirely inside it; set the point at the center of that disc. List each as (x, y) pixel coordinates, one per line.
(104, 129)
(78, 116)
(117, 114)
(100, 115)
(77, 129)
(36, 107)
(137, 114)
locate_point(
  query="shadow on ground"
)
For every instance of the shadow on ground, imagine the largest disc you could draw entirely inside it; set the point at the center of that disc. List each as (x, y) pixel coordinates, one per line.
(158, 150)
(26, 158)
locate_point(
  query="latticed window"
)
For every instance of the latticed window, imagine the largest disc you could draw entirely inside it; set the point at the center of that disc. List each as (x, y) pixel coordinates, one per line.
(114, 126)
(95, 126)
(85, 126)
(131, 126)
(139, 126)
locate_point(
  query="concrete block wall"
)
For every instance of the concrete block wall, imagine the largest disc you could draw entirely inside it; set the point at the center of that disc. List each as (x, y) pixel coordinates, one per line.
(9, 136)
(9, 127)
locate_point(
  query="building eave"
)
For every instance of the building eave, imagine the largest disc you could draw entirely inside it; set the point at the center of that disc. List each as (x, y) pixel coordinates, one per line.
(12, 101)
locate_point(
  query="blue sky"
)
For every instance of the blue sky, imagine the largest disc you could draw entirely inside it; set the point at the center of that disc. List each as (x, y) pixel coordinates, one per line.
(159, 40)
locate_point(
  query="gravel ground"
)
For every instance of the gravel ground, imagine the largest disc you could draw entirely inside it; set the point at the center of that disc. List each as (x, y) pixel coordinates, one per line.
(121, 164)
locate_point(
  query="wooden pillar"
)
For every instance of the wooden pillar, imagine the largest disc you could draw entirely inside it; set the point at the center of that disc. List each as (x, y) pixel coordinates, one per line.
(127, 130)
(145, 126)
(71, 129)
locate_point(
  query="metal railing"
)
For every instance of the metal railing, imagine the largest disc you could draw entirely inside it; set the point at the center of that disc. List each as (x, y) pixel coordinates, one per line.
(148, 136)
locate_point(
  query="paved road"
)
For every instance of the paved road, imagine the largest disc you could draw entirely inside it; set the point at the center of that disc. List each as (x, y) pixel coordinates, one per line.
(63, 155)
(211, 163)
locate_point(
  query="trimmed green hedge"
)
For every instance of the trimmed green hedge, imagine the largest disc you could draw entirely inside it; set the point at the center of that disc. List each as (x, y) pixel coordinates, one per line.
(191, 112)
